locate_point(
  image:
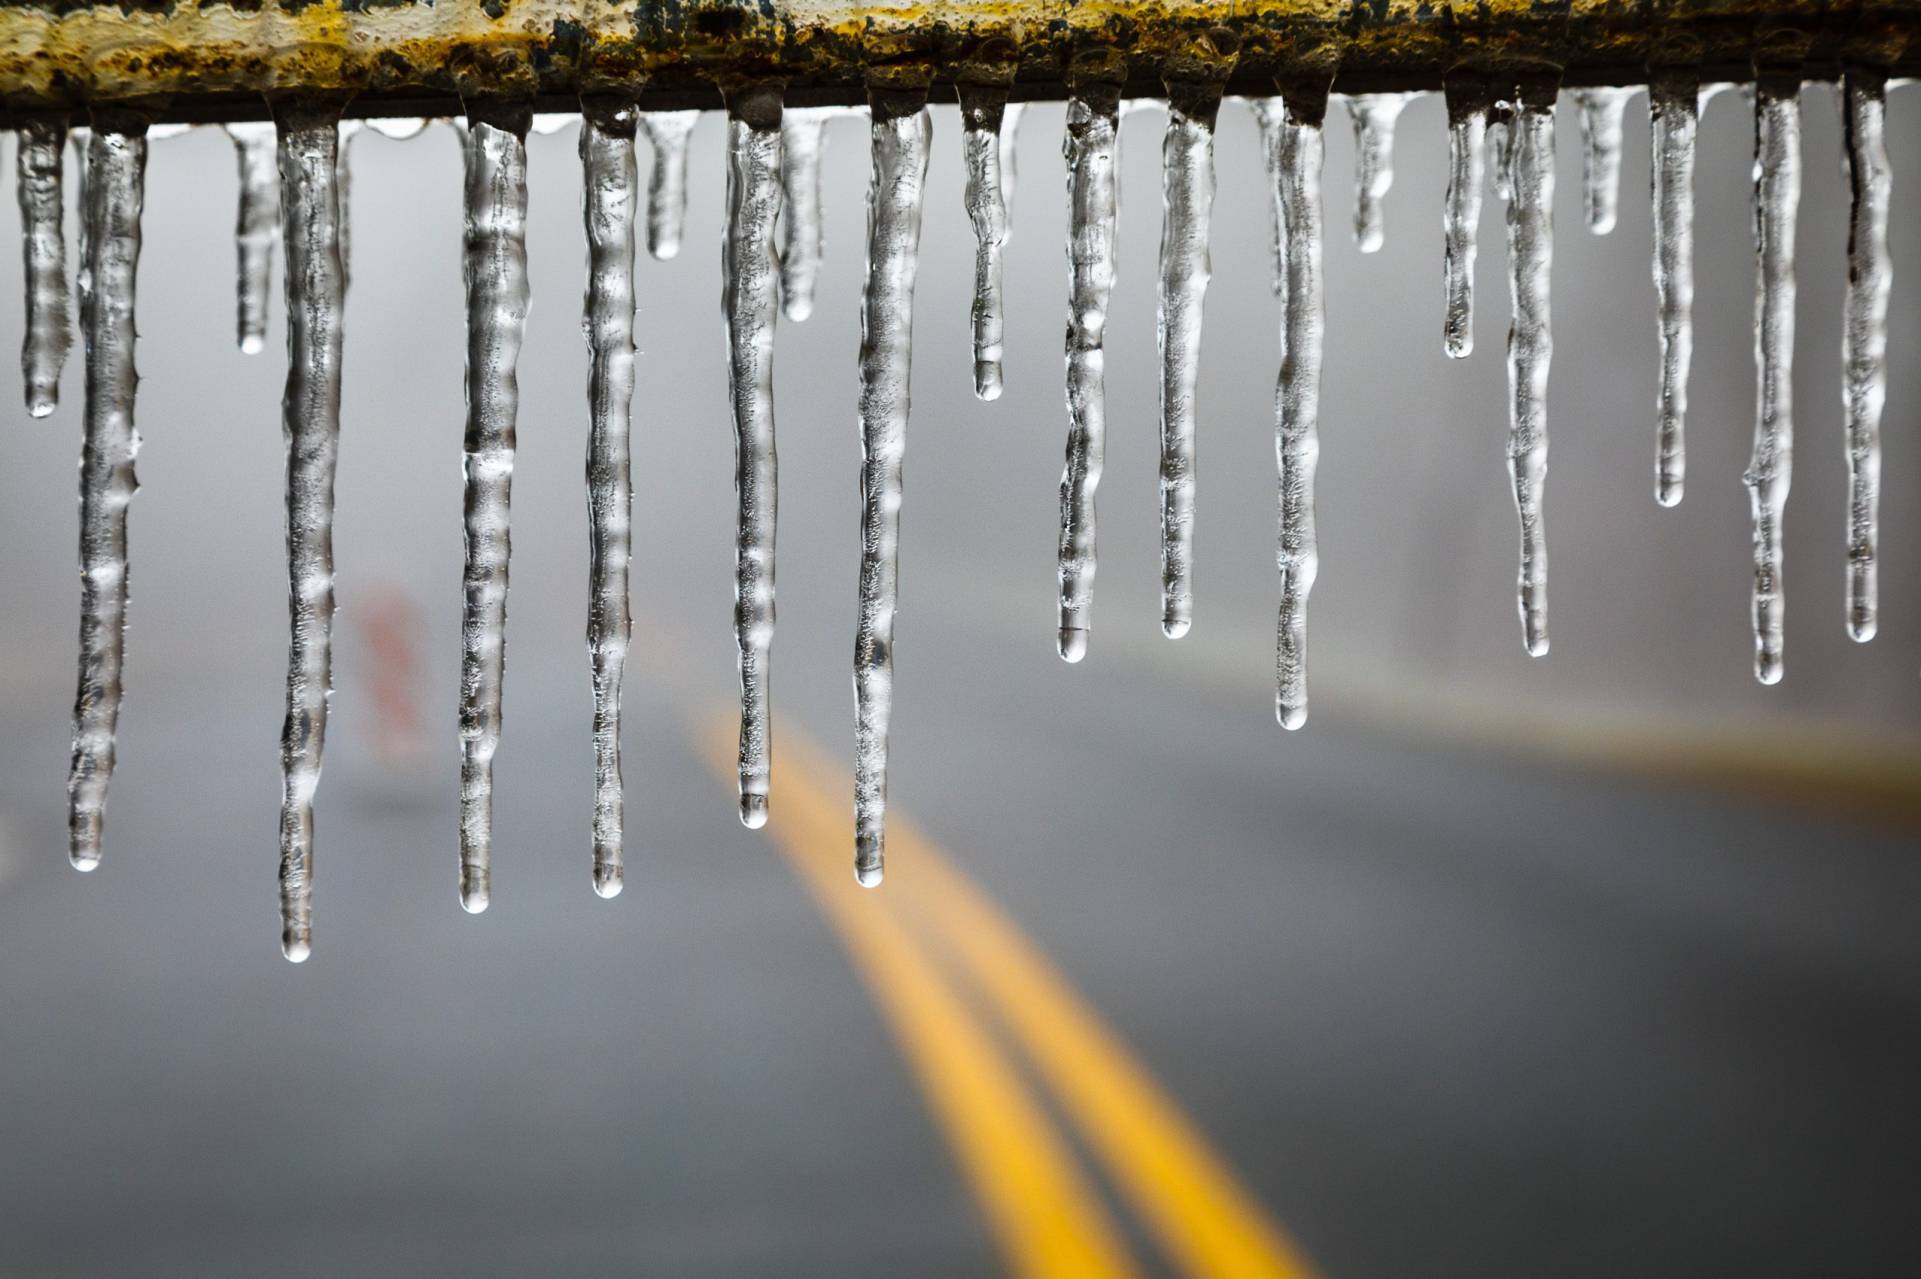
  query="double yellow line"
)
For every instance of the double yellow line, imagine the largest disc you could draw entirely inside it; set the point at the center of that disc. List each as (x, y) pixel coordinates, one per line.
(1046, 1217)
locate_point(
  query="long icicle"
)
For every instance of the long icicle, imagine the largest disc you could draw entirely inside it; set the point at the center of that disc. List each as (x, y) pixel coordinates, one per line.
(1297, 439)
(1374, 116)
(984, 119)
(610, 181)
(1601, 112)
(116, 185)
(803, 132)
(902, 133)
(316, 285)
(1865, 332)
(43, 353)
(1674, 107)
(256, 228)
(668, 132)
(1530, 346)
(750, 286)
(495, 267)
(1467, 108)
(1777, 197)
(1093, 119)
(1187, 204)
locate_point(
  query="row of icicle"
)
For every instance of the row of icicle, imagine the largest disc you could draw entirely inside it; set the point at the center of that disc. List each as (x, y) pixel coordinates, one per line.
(299, 164)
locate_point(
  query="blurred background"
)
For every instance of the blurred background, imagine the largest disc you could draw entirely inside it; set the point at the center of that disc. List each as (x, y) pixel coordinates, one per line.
(1602, 962)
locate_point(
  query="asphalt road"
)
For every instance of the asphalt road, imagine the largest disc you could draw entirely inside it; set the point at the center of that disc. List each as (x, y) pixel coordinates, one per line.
(1151, 982)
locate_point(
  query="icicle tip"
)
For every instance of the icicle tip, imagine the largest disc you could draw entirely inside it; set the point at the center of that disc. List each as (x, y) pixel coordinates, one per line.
(987, 379)
(1667, 492)
(85, 860)
(295, 947)
(1176, 627)
(1290, 715)
(476, 891)
(608, 881)
(1073, 644)
(252, 344)
(867, 870)
(753, 811)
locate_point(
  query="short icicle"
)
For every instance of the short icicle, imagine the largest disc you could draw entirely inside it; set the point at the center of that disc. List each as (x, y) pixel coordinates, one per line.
(1010, 160)
(668, 132)
(902, 134)
(803, 132)
(1530, 343)
(1093, 120)
(1674, 107)
(1467, 125)
(1865, 331)
(255, 229)
(1777, 197)
(1297, 440)
(494, 264)
(610, 181)
(43, 352)
(308, 153)
(1187, 203)
(1270, 116)
(750, 288)
(116, 186)
(1374, 116)
(1602, 112)
(344, 185)
(984, 121)
(1500, 142)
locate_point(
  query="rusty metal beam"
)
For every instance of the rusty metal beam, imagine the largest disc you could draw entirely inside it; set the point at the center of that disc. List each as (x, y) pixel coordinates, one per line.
(202, 60)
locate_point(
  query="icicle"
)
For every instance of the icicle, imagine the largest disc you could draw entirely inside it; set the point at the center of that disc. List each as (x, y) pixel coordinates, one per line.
(902, 132)
(344, 185)
(495, 268)
(255, 229)
(1092, 122)
(316, 285)
(1674, 103)
(802, 131)
(1011, 117)
(1187, 203)
(42, 144)
(1777, 196)
(1500, 142)
(1601, 115)
(749, 301)
(984, 115)
(1530, 347)
(1270, 115)
(1374, 116)
(667, 184)
(81, 138)
(610, 183)
(1297, 442)
(1467, 127)
(117, 173)
(1865, 333)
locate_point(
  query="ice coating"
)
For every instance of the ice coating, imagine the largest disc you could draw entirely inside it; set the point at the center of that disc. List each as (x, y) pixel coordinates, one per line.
(1270, 116)
(1530, 347)
(750, 286)
(1092, 122)
(984, 117)
(1187, 203)
(1500, 142)
(308, 155)
(901, 139)
(1460, 222)
(1297, 440)
(802, 132)
(43, 246)
(494, 266)
(1374, 116)
(1601, 111)
(610, 184)
(344, 185)
(667, 182)
(1010, 160)
(116, 185)
(1864, 338)
(255, 229)
(1674, 105)
(1777, 197)
(81, 139)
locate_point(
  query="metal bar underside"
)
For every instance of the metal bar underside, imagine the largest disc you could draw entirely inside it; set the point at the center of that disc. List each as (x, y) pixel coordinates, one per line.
(196, 60)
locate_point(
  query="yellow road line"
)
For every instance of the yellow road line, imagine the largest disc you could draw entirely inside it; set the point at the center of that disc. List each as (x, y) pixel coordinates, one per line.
(1047, 1220)
(1209, 1223)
